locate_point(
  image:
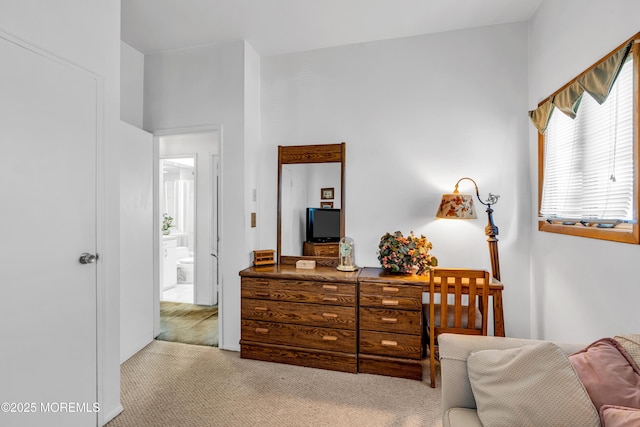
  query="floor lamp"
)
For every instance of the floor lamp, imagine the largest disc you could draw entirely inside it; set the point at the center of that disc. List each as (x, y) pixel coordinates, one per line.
(460, 206)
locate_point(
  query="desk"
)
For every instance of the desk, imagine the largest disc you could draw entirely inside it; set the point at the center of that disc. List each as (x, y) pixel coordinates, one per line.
(495, 291)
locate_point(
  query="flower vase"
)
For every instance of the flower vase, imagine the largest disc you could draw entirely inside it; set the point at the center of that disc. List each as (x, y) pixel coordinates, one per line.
(403, 272)
(405, 255)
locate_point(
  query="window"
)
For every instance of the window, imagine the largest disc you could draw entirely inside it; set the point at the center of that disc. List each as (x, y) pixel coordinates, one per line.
(588, 165)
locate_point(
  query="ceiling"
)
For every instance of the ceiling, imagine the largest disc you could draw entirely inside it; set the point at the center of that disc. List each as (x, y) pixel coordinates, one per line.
(274, 27)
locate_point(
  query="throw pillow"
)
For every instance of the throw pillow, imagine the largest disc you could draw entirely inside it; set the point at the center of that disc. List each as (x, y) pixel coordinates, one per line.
(532, 385)
(608, 373)
(631, 343)
(619, 416)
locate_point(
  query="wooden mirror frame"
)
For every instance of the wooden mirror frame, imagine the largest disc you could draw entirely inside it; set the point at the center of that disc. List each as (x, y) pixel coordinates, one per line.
(301, 154)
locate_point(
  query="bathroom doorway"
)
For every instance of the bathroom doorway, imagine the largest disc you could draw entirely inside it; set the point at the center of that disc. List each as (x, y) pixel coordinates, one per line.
(187, 206)
(177, 205)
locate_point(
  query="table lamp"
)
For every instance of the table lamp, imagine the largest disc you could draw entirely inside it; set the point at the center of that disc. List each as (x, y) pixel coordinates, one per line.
(460, 206)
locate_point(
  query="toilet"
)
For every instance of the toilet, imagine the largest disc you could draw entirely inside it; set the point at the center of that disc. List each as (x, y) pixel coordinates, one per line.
(184, 266)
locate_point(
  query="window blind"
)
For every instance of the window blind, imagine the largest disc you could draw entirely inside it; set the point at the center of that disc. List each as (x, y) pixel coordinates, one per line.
(588, 163)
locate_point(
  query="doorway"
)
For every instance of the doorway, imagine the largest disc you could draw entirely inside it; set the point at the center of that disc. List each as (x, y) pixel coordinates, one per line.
(187, 202)
(178, 209)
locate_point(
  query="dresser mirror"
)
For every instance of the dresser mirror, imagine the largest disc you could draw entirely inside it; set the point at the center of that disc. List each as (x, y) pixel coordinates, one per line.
(310, 176)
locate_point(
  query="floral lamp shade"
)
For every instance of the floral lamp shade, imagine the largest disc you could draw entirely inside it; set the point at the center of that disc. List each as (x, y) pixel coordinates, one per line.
(456, 206)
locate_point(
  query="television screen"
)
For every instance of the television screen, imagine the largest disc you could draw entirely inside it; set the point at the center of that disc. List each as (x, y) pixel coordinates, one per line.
(323, 225)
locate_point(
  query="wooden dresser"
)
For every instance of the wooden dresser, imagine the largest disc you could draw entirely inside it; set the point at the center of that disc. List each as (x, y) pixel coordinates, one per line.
(300, 317)
(390, 317)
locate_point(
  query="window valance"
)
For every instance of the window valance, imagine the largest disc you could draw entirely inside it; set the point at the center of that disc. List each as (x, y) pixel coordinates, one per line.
(597, 82)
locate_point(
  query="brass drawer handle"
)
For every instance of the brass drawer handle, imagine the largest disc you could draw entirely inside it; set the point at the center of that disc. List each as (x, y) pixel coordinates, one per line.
(262, 330)
(389, 319)
(329, 338)
(390, 289)
(329, 315)
(389, 343)
(262, 283)
(389, 302)
(261, 308)
(329, 299)
(330, 287)
(262, 294)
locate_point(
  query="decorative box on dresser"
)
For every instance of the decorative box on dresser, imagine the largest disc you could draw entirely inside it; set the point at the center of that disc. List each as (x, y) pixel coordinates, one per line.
(390, 316)
(300, 317)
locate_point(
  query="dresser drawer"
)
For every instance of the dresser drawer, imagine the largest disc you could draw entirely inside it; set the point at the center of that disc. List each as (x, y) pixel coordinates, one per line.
(389, 344)
(299, 291)
(399, 321)
(391, 290)
(299, 336)
(369, 300)
(390, 296)
(299, 314)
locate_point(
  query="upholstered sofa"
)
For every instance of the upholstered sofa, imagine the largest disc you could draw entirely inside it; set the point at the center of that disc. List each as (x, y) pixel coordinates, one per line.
(542, 385)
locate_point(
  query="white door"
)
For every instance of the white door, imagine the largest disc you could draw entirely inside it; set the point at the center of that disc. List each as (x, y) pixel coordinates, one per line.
(48, 133)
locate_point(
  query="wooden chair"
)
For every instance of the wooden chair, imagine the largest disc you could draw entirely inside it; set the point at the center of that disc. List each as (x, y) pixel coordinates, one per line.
(462, 317)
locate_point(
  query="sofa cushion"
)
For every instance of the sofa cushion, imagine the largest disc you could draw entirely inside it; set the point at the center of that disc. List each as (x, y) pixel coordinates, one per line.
(533, 385)
(461, 417)
(608, 373)
(619, 416)
(454, 351)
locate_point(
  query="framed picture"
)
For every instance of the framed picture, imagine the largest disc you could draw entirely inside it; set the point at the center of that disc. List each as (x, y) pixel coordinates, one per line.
(326, 193)
(326, 205)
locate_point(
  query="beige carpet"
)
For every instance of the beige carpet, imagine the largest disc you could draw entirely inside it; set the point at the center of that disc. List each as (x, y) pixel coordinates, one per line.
(173, 384)
(188, 323)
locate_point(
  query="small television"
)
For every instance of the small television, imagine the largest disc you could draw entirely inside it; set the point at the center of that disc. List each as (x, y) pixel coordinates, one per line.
(323, 225)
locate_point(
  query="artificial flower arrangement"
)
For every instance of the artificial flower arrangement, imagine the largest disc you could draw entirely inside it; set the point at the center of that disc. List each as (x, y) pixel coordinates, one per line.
(400, 254)
(167, 223)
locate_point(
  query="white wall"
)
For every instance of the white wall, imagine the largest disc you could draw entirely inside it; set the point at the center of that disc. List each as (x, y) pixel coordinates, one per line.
(583, 289)
(136, 240)
(131, 85)
(215, 85)
(417, 114)
(252, 162)
(87, 33)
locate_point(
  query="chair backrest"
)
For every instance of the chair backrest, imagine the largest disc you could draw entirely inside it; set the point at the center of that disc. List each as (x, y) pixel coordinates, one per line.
(456, 316)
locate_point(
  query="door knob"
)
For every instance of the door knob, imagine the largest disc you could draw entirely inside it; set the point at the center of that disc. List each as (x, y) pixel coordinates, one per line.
(87, 258)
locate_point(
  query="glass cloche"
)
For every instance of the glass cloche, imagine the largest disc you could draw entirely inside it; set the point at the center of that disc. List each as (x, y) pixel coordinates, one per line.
(347, 255)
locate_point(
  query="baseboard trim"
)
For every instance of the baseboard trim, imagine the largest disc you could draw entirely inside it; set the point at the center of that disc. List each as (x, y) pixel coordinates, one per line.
(230, 347)
(111, 415)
